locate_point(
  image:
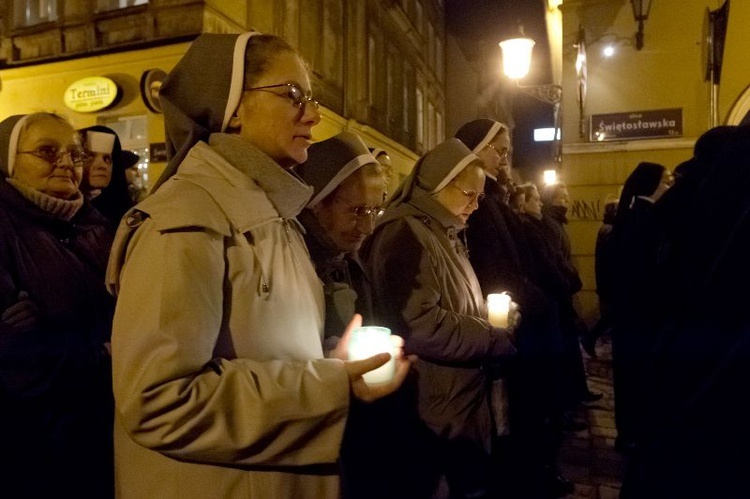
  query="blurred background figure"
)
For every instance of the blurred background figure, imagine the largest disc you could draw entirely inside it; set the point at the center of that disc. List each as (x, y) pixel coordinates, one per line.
(605, 264)
(555, 203)
(638, 303)
(694, 442)
(385, 161)
(105, 178)
(55, 381)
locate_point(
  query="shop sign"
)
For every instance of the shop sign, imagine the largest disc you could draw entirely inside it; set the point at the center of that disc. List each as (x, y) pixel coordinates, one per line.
(91, 94)
(636, 125)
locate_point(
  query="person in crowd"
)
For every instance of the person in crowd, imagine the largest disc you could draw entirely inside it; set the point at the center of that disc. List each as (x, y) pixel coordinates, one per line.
(516, 200)
(636, 240)
(499, 254)
(490, 235)
(555, 203)
(349, 193)
(55, 381)
(385, 161)
(605, 268)
(220, 382)
(673, 212)
(546, 416)
(136, 185)
(423, 284)
(695, 439)
(104, 176)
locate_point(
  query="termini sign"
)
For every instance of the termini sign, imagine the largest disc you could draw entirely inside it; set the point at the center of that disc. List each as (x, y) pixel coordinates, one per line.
(637, 125)
(91, 94)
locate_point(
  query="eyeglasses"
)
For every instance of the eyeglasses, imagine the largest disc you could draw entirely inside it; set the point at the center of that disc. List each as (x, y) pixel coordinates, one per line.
(54, 155)
(503, 154)
(361, 211)
(293, 93)
(474, 195)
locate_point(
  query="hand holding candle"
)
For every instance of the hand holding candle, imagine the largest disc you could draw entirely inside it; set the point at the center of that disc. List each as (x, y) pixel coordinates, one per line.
(498, 305)
(356, 369)
(367, 341)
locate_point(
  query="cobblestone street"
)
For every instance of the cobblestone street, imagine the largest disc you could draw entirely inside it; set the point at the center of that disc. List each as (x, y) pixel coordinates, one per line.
(588, 457)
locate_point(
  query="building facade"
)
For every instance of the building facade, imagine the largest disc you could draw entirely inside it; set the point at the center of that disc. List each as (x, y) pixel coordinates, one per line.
(377, 65)
(663, 82)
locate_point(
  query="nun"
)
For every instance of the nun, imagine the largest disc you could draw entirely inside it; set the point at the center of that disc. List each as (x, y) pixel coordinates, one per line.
(425, 288)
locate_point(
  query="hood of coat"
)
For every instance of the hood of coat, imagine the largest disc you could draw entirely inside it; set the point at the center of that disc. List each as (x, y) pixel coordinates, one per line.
(197, 100)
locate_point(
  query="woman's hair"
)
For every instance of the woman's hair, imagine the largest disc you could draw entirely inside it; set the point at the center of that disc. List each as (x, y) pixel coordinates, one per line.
(261, 49)
(548, 192)
(527, 189)
(517, 196)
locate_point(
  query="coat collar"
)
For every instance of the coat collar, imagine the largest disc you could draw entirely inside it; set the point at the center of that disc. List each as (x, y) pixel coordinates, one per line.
(287, 192)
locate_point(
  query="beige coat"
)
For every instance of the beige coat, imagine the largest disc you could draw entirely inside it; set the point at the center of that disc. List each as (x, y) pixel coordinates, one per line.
(219, 385)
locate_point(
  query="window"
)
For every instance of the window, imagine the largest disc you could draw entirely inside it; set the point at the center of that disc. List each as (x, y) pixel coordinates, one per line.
(105, 5)
(32, 12)
(420, 118)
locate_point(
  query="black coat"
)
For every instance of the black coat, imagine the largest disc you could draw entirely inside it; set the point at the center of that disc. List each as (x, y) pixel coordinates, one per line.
(55, 381)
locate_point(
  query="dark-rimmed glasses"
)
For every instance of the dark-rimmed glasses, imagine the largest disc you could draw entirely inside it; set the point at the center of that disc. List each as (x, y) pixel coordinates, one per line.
(473, 195)
(54, 155)
(293, 93)
(503, 154)
(361, 211)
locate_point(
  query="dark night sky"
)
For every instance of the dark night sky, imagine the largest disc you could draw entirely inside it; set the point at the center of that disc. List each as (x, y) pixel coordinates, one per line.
(479, 25)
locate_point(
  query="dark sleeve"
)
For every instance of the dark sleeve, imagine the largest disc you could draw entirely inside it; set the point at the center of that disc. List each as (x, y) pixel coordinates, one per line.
(492, 251)
(407, 293)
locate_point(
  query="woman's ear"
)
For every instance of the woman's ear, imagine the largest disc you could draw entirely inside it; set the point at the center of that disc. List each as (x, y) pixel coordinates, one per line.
(234, 121)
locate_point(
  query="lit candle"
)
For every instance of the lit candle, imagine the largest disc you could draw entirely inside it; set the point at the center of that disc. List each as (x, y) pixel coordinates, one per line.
(367, 341)
(498, 305)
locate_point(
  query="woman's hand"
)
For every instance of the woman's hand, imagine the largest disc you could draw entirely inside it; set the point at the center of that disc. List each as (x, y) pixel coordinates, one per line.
(514, 316)
(22, 315)
(356, 368)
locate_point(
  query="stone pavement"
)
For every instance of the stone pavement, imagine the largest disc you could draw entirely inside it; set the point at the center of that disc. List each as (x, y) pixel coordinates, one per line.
(588, 458)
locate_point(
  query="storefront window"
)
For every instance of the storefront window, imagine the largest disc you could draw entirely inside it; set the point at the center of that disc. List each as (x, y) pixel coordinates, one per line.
(32, 12)
(105, 5)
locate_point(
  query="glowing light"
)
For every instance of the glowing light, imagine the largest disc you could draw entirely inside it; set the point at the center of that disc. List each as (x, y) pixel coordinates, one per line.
(517, 57)
(550, 177)
(608, 51)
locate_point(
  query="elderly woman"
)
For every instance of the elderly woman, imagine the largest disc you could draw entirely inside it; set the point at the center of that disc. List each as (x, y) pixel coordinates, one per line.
(55, 389)
(220, 383)
(105, 180)
(425, 287)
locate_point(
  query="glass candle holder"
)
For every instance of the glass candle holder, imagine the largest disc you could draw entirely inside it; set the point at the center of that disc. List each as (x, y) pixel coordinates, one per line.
(367, 341)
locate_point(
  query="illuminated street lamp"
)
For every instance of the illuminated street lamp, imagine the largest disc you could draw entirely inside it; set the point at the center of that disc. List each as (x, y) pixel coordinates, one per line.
(516, 63)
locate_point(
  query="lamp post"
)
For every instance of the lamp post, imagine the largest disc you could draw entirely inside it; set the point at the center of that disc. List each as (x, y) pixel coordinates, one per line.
(516, 64)
(641, 9)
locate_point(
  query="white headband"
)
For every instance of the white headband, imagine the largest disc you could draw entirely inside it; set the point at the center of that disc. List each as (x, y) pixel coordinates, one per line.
(100, 142)
(238, 77)
(455, 171)
(349, 168)
(13, 144)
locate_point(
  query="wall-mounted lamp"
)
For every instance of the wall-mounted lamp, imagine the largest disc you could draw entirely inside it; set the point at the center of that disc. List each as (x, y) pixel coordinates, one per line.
(640, 13)
(516, 64)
